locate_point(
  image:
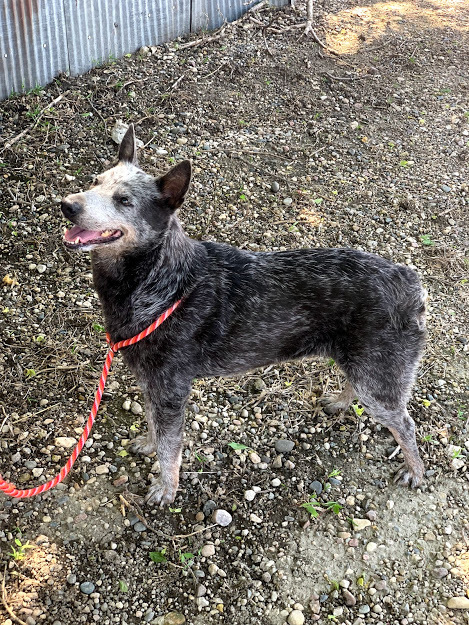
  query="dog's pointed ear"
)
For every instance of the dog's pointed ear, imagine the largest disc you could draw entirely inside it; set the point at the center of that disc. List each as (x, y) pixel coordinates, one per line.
(128, 147)
(173, 185)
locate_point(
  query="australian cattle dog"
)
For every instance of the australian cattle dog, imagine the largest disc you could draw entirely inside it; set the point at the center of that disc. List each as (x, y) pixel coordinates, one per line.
(240, 310)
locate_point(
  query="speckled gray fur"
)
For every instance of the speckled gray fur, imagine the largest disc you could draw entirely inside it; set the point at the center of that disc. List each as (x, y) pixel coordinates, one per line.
(243, 310)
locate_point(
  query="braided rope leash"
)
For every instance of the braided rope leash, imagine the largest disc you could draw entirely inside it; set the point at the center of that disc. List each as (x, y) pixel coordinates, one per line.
(10, 489)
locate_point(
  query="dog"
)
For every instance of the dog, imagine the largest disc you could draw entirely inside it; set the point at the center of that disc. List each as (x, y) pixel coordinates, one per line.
(240, 310)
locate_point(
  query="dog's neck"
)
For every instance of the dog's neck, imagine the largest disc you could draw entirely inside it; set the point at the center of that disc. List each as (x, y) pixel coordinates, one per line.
(135, 288)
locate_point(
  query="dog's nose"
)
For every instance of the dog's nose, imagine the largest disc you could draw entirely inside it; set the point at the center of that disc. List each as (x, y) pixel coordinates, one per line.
(70, 209)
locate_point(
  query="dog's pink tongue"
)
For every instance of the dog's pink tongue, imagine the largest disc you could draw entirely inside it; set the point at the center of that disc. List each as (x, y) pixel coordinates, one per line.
(84, 235)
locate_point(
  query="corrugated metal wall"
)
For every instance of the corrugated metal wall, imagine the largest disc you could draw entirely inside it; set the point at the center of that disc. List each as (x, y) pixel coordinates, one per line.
(42, 38)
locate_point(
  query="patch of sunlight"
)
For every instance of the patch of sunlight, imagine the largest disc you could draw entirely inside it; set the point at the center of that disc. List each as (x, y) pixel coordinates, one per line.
(350, 28)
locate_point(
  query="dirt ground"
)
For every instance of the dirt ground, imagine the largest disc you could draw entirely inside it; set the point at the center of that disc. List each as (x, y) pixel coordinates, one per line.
(362, 141)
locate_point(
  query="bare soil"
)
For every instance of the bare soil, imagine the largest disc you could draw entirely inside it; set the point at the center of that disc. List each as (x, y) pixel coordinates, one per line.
(360, 142)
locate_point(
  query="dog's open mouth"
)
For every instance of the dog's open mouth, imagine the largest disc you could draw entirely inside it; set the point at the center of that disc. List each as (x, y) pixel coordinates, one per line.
(79, 237)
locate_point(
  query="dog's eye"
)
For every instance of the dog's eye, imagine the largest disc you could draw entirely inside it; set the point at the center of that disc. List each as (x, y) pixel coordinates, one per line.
(124, 201)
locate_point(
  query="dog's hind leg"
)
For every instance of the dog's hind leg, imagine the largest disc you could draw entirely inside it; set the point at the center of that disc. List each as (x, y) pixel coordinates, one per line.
(334, 403)
(384, 392)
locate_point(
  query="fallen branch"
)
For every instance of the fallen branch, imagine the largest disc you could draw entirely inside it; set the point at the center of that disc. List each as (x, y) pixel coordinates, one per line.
(9, 144)
(4, 600)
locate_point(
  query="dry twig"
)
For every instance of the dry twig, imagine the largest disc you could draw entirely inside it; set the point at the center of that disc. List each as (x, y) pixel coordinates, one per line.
(8, 144)
(4, 600)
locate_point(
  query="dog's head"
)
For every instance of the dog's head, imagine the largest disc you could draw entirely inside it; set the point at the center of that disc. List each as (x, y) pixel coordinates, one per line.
(125, 208)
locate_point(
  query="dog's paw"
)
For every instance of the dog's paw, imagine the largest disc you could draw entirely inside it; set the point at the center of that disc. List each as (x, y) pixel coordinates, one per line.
(331, 404)
(407, 476)
(161, 494)
(141, 445)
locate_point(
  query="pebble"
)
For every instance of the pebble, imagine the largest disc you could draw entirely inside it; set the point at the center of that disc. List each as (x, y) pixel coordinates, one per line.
(87, 588)
(65, 441)
(41, 268)
(284, 446)
(349, 598)
(71, 579)
(136, 408)
(371, 514)
(249, 495)
(174, 618)
(371, 547)
(360, 524)
(255, 519)
(254, 458)
(458, 603)
(222, 517)
(140, 527)
(275, 482)
(126, 405)
(208, 507)
(445, 188)
(440, 572)
(208, 551)
(316, 487)
(102, 469)
(364, 609)
(287, 201)
(275, 187)
(296, 617)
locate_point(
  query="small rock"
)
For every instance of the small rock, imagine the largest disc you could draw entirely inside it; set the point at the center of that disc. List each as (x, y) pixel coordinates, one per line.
(41, 268)
(208, 507)
(316, 487)
(254, 458)
(440, 572)
(458, 603)
(136, 408)
(65, 441)
(201, 590)
(277, 463)
(275, 482)
(126, 405)
(87, 588)
(349, 598)
(118, 132)
(457, 463)
(287, 201)
(174, 618)
(275, 187)
(71, 579)
(255, 519)
(445, 188)
(371, 547)
(364, 609)
(222, 517)
(360, 524)
(122, 479)
(208, 551)
(249, 495)
(102, 469)
(284, 446)
(296, 617)
(140, 527)
(371, 514)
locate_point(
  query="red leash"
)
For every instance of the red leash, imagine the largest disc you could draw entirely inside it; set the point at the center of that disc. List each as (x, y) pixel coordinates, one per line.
(10, 489)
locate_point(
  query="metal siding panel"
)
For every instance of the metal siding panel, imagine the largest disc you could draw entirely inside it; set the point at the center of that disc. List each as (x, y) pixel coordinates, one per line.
(33, 48)
(112, 28)
(210, 14)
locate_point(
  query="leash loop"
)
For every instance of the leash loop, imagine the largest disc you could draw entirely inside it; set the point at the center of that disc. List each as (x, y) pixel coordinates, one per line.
(10, 489)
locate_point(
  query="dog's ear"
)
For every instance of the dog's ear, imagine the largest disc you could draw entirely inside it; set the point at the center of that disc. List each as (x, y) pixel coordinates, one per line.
(128, 147)
(173, 185)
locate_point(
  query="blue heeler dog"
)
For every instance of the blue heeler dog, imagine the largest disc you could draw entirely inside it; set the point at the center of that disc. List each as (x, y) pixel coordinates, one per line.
(240, 309)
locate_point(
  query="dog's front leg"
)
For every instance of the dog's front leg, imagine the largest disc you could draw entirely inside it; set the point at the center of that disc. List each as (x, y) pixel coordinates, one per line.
(165, 417)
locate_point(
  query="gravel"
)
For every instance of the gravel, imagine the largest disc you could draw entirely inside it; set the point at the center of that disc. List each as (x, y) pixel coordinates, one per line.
(378, 164)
